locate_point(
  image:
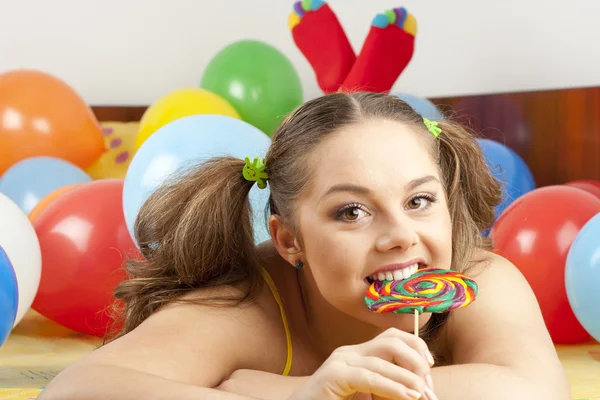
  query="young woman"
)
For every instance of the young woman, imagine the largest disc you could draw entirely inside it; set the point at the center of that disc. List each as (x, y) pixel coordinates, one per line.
(361, 189)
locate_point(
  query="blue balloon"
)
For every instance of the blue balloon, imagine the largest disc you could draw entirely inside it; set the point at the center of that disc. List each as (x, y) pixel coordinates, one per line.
(30, 180)
(582, 276)
(184, 142)
(508, 167)
(9, 296)
(421, 105)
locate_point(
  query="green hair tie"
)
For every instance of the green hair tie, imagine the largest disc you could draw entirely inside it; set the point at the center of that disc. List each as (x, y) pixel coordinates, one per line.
(255, 171)
(433, 127)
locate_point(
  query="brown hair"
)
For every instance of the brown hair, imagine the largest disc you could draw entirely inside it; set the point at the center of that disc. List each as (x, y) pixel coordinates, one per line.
(195, 231)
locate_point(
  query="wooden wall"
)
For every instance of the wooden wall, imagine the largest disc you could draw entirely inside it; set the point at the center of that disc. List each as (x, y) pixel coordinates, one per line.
(556, 132)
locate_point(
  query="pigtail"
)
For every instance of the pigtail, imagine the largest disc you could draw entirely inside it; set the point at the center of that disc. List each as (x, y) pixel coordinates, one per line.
(194, 232)
(473, 192)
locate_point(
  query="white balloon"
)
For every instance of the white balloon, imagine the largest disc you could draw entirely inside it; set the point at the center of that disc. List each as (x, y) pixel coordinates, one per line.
(20, 242)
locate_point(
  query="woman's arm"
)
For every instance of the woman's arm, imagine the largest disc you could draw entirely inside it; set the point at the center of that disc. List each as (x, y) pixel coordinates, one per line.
(491, 382)
(262, 385)
(499, 345)
(109, 382)
(182, 351)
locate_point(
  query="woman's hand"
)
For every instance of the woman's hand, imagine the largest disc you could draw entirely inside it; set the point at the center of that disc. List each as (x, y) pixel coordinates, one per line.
(394, 365)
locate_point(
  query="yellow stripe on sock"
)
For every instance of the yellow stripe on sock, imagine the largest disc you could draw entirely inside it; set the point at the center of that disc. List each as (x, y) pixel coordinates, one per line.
(410, 25)
(293, 20)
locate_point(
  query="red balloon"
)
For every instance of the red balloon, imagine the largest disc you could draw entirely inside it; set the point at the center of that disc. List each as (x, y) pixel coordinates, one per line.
(84, 241)
(588, 185)
(535, 233)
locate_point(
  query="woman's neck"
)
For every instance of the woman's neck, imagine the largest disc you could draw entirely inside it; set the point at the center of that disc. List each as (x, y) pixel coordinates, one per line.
(322, 326)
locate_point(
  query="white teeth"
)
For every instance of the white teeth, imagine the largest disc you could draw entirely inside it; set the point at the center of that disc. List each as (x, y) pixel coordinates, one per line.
(410, 271)
(397, 275)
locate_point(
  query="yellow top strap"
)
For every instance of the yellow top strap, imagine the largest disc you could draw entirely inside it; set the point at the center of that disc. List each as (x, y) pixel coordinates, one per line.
(288, 337)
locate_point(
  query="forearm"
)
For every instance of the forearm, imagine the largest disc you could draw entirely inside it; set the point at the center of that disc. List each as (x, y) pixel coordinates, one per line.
(263, 385)
(107, 382)
(492, 382)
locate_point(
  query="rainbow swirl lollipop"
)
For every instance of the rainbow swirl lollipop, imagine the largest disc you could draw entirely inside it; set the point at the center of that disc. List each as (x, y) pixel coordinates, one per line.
(429, 290)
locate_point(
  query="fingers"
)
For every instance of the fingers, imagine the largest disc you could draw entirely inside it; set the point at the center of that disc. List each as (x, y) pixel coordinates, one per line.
(393, 365)
(395, 350)
(411, 340)
(367, 381)
(388, 370)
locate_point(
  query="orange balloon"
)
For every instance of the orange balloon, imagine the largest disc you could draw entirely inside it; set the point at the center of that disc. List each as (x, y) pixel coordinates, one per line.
(43, 203)
(41, 115)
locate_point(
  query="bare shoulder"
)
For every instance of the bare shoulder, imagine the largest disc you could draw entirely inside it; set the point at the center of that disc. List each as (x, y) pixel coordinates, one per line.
(504, 325)
(202, 344)
(505, 306)
(503, 288)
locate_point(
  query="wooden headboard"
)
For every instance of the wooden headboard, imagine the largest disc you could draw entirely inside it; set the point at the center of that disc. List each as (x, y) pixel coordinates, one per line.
(557, 132)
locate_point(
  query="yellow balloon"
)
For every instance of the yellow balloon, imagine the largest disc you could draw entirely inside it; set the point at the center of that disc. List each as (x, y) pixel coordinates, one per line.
(119, 138)
(182, 103)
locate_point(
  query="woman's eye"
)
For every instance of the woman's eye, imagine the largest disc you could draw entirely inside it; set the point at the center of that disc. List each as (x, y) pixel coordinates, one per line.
(416, 203)
(351, 213)
(420, 202)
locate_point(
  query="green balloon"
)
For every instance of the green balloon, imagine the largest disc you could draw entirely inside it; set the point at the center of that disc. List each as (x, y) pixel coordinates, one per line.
(257, 80)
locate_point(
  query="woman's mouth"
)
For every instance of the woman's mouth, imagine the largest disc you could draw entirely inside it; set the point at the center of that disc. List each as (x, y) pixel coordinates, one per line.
(395, 274)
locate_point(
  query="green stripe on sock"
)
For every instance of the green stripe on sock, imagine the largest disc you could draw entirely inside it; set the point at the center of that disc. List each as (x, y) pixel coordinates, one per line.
(391, 15)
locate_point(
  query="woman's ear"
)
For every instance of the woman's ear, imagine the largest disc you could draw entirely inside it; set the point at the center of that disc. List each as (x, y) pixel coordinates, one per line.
(284, 239)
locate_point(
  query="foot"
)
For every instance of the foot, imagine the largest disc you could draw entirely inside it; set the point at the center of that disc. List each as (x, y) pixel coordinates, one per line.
(386, 52)
(320, 37)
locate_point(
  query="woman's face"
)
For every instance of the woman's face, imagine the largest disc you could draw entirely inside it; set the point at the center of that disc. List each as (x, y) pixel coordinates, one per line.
(376, 209)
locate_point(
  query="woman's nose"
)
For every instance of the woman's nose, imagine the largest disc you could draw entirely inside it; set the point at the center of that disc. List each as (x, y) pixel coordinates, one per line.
(399, 234)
